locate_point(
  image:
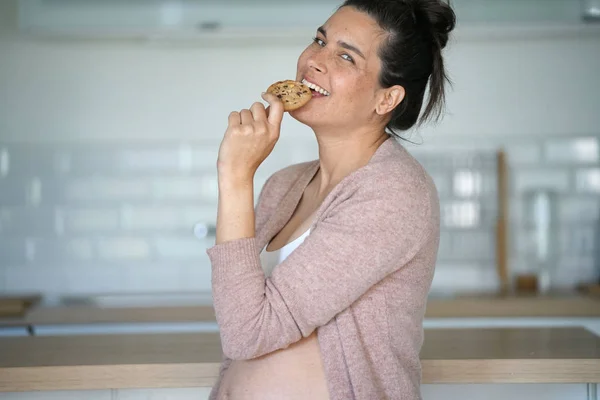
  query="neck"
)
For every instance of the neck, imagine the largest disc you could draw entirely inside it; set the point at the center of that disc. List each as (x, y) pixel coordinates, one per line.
(341, 155)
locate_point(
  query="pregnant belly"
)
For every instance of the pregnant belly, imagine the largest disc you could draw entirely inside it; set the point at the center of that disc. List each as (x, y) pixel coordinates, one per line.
(294, 373)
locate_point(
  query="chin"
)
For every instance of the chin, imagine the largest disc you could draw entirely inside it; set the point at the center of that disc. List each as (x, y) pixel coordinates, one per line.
(306, 116)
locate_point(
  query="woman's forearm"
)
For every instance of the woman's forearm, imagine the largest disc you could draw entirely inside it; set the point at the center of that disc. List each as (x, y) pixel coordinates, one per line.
(235, 214)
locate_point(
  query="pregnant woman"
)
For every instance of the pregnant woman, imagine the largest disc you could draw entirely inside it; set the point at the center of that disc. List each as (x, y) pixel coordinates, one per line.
(320, 289)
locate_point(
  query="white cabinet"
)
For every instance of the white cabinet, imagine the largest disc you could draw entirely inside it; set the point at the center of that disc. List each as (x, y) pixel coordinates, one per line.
(12, 331)
(59, 395)
(429, 392)
(129, 328)
(115, 394)
(163, 394)
(505, 391)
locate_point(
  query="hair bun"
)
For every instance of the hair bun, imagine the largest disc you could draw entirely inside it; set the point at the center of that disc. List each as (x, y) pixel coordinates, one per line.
(440, 16)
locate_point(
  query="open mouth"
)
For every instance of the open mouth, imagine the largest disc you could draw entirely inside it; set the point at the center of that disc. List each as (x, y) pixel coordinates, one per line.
(316, 88)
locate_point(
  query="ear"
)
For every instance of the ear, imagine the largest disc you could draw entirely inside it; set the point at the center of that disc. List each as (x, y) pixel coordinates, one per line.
(389, 98)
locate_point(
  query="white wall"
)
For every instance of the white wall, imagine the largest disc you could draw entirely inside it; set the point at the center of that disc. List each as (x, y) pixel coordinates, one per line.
(508, 88)
(82, 90)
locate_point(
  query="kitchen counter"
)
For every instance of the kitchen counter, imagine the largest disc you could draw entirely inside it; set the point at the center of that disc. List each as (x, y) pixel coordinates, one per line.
(571, 306)
(514, 306)
(548, 355)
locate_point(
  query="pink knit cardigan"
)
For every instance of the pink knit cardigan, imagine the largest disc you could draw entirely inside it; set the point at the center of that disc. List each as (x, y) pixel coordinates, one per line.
(361, 277)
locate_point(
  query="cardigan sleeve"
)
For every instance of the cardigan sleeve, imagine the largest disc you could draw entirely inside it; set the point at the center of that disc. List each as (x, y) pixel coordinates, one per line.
(373, 232)
(260, 212)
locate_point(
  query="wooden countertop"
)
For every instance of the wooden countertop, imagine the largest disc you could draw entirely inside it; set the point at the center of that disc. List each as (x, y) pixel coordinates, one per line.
(514, 306)
(549, 355)
(569, 306)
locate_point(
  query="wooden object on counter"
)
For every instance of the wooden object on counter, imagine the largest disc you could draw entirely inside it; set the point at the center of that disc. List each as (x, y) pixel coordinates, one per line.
(526, 283)
(502, 224)
(13, 307)
(558, 355)
(590, 290)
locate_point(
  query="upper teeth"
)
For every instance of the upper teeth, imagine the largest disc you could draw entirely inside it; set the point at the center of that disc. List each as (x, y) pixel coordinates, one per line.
(316, 88)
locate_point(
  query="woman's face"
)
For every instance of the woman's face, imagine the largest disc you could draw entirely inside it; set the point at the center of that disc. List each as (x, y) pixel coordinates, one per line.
(343, 60)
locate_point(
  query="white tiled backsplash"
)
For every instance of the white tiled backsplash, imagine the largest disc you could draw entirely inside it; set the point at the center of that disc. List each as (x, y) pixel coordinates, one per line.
(94, 218)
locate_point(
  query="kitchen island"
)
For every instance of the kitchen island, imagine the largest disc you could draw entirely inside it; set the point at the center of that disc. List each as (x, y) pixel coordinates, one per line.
(115, 363)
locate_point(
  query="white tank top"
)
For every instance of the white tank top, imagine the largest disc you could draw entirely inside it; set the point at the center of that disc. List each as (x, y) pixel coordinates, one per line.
(270, 259)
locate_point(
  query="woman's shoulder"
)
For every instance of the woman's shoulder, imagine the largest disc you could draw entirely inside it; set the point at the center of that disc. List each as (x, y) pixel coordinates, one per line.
(394, 169)
(392, 172)
(392, 186)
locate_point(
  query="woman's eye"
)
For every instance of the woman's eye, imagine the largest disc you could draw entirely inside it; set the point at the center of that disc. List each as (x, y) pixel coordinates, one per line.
(347, 57)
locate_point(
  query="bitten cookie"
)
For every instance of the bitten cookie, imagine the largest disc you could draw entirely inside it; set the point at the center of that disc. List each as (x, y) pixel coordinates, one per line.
(293, 94)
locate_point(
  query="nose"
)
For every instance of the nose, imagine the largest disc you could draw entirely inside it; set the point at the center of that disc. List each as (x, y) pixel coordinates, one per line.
(317, 63)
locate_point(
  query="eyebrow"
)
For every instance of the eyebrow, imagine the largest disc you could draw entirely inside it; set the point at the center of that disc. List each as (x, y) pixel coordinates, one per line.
(342, 44)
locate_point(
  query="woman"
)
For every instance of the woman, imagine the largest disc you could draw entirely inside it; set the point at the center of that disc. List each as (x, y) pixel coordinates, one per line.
(320, 291)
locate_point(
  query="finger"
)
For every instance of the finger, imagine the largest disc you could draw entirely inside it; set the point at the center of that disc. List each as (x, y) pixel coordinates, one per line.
(275, 111)
(258, 111)
(246, 117)
(234, 118)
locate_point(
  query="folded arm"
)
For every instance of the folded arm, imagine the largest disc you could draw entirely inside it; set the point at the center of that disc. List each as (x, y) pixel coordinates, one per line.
(355, 245)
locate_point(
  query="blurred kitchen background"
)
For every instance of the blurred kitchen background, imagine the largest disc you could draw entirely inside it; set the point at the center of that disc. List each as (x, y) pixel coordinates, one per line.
(111, 114)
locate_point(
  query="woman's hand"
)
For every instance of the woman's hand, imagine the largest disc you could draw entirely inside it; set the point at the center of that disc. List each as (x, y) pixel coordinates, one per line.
(249, 139)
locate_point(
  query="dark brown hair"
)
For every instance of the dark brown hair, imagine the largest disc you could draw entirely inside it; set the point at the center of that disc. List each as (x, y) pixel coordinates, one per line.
(411, 56)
